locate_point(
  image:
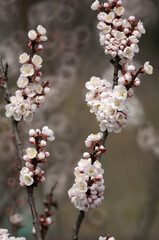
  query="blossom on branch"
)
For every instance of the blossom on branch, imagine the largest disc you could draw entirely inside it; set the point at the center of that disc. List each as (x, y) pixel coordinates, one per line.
(88, 189)
(109, 100)
(32, 173)
(32, 91)
(4, 235)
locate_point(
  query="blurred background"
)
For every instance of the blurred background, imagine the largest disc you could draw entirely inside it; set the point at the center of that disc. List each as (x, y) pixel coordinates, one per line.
(71, 56)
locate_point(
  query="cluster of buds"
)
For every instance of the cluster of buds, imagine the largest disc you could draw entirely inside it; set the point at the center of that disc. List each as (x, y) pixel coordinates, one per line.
(88, 189)
(118, 36)
(45, 219)
(107, 238)
(32, 91)
(109, 105)
(32, 173)
(4, 235)
(109, 101)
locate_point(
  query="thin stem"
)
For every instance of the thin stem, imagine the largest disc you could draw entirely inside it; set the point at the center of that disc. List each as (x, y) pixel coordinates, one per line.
(77, 226)
(81, 214)
(4, 85)
(34, 212)
(133, 78)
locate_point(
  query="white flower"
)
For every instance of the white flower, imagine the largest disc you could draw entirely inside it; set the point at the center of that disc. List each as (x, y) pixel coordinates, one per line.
(27, 179)
(32, 35)
(117, 22)
(27, 70)
(16, 114)
(91, 171)
(40, 99)
(141, 28)
(32, 132)
(9, 110)
(43, 38)
(37, 60)
(46, 90)
(102, 16)
(41, 30)
(41, 155)
(93, 83)
(31, 153)
(49, 133)
(102, 238)
(28, 116)
(38, 88)
(119, 11)
(95, 137)
(43, 143)
(148, 68)
(137, 33)
(133, 39)
(134, 47)
(95, 5)
(101, 25)
(128, 53)
(120, 92)
(22, 82)
(110, 17)
(23, 58)
(119, 35)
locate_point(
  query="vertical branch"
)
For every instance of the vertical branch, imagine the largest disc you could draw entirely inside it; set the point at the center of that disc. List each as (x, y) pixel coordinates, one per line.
(77, 226)
(34, 212)
(81, 214)
(4, 85)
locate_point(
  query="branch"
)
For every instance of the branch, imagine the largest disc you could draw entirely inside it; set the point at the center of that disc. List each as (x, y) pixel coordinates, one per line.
(134, 77)
(34, 212)
(4, 85)
(81, 214)
(77, 226)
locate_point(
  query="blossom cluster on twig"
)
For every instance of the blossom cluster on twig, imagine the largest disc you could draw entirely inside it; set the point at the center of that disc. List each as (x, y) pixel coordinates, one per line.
(4, 235)
(31, 90)
(109, 100)
(88, 189)
(45, 219)
(32, 173)
(106, 238)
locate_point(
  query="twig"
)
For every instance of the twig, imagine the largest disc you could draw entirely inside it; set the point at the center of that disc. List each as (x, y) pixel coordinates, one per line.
(81, 214)
(133, 78)
(34, 212)
(77, 226)
(4, 85)
(48, 203)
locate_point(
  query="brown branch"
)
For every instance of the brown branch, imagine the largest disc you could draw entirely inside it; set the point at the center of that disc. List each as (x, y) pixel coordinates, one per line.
(81, 214)
(77, 226)
(34, 212)
(134, 77)
(4, 85)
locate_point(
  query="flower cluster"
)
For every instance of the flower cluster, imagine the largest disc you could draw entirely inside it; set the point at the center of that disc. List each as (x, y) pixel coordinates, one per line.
(4, 235)
(87, 191)
(106, 238)
(32, 173)
(109, 105)
(118, 36)
(32, 91)
(109, 101)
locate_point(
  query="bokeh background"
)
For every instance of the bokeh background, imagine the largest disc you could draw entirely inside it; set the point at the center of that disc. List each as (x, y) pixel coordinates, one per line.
(71, 56)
